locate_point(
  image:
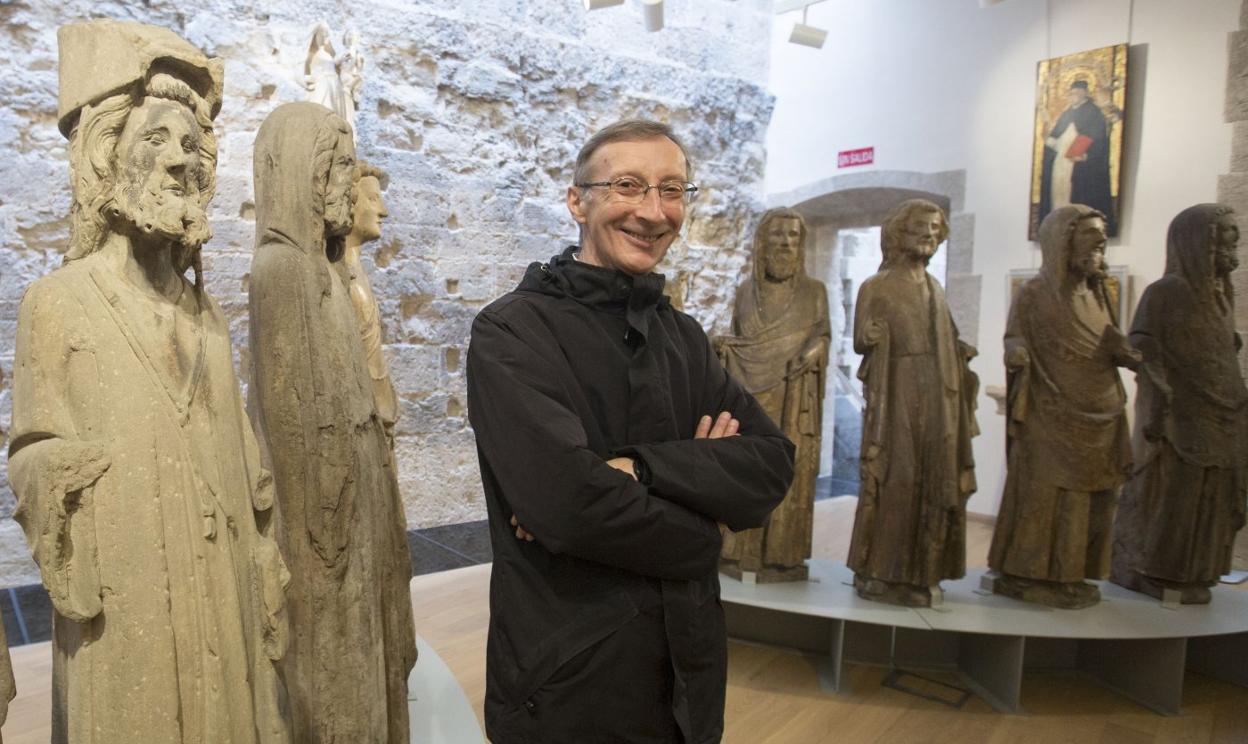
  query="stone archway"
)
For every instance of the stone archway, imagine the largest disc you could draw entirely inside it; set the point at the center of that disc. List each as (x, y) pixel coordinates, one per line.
(834, 208)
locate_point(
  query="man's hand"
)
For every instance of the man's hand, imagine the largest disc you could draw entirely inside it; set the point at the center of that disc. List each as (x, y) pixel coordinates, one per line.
(521, 532)
(723, 426)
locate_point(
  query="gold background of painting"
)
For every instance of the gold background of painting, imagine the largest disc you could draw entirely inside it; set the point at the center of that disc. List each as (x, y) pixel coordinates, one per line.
(1105, 69)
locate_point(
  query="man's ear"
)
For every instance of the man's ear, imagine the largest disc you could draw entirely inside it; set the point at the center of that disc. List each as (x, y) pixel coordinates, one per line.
(576, 204)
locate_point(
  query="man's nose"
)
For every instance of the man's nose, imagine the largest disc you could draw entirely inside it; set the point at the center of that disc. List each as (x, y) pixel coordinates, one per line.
(651, 206)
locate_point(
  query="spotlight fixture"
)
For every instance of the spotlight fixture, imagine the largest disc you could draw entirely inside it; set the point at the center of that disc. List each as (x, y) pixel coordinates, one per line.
(653, 13)
(600, 4)
(807, 35)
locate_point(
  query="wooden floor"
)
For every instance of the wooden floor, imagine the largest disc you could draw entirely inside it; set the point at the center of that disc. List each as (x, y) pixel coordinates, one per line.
(774, 695)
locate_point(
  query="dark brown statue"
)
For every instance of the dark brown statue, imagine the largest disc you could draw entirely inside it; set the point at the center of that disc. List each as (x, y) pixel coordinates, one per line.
(779, 352)
(1178, 516)
(1067, 439)
(917, 467)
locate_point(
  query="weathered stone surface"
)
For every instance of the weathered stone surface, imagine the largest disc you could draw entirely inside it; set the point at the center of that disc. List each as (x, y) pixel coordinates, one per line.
(963, 291)
(961, 245)
(1237, 76)
(476, 110)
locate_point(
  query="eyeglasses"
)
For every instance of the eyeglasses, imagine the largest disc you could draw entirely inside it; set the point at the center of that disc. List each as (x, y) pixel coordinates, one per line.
(631, 189)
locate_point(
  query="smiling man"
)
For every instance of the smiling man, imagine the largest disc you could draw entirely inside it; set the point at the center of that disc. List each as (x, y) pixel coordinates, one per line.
(611, 443)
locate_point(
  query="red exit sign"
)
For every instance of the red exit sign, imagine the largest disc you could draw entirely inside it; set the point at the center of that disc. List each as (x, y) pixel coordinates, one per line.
(850, 158)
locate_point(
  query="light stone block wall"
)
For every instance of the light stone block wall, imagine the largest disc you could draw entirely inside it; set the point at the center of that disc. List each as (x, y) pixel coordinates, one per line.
(476, 110)
(1233, 187)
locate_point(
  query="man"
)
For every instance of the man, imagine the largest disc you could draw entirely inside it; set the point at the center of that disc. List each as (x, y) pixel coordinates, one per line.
(1067, 440)
(917, 467)
(1075, 169)
(343, 530)
(612, 441)
(8, 690)
(367, 214)
(779, 351)
(138, 479)
(1180, 512)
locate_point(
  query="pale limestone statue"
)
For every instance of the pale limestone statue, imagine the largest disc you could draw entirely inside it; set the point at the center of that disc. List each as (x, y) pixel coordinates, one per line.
(1067, 441)
(322, 76)
(351, 70)
(779, 352)
(342, 528)
(367, 214)
(8, 689)
(1179, 514)
(917, 467)
(137, 476)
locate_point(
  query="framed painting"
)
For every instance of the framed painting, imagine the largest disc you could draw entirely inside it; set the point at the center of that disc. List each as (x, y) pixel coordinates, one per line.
(1117, 286)
(1076, 155)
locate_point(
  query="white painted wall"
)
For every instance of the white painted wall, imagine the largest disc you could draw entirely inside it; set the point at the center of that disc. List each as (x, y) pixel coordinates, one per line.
(939, 85)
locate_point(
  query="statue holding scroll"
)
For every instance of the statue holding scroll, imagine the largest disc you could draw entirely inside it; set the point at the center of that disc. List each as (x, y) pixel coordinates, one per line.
(917, 468)
(343, 530)
(779, 352)
(1179, 514)
(1068, 449)
(138, 478)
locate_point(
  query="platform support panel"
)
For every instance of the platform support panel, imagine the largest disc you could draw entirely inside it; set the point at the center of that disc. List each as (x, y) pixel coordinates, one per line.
(992, 666)
(1221, 657)
(1147, 670)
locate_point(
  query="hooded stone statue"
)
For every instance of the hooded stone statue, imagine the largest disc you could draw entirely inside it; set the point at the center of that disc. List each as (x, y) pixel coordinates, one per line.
(342, 527)
(137, 475)
(917, 466)
(1178, 515)
(1067, 444)
(779, 352)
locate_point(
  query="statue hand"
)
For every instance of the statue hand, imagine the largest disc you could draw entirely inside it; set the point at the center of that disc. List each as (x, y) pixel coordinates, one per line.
(1017, 358)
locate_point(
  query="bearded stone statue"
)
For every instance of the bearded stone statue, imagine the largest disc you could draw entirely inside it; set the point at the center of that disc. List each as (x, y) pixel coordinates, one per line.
(917, 468)
(779, 352)
(1179, 514)
(138, 478)
(343, 530)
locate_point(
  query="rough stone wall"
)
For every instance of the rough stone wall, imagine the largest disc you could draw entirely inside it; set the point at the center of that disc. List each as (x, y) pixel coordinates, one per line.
(476, 110)
(1233, 187)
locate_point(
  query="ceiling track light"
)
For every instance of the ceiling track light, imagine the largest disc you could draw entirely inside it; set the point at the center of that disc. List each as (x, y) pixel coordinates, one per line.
(807, 35)
(600, 4)
(651, 11)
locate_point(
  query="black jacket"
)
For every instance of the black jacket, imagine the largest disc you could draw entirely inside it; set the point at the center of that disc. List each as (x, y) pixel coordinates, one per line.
(577, 365)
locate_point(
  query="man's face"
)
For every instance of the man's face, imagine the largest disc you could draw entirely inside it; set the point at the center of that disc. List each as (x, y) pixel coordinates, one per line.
(339, 191)
(922, 234)
(1225, 244)
(1087, 248)
(784, 239)
(369, 209)
(1076, 96)
(157, 169)
(616, 234)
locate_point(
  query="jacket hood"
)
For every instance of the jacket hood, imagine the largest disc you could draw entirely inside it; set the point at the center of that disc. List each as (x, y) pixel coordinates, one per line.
(290, 179)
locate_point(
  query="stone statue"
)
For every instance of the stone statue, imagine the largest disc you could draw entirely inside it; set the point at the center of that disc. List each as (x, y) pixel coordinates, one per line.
(322, 76)
(367, 214)
(342, 526)
(1179, 513)
(917, 467)
(779, 352)
(1067, 440)
(137, 476)
(8, 690)
(351, 70)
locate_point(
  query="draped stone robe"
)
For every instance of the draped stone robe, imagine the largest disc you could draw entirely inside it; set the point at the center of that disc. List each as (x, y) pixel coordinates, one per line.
(168, 595)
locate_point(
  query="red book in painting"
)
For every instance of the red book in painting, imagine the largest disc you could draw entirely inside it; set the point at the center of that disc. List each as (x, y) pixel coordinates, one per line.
(1079, 146)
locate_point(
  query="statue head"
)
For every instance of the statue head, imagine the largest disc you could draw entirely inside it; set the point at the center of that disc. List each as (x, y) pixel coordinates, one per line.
(142, 149)
(912, 232)
(304, 164)
(780, 245)
(1202, 244)
(369, 208)
(1072, 244)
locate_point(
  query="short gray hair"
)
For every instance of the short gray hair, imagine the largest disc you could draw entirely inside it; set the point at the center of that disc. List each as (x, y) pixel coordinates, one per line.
(628, 130)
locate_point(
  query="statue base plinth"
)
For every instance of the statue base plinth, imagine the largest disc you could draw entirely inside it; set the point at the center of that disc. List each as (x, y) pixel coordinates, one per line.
(1073, 595)
(766, 574)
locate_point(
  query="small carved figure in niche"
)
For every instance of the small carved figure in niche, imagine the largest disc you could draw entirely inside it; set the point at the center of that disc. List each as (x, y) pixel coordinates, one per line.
(779, 352)
(351, 69)
(8, 690)
(322, 77)
(1179, 513)
(1067, 445)
(343, 530)
(137, 476)
(367, 214)
(917, 467)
